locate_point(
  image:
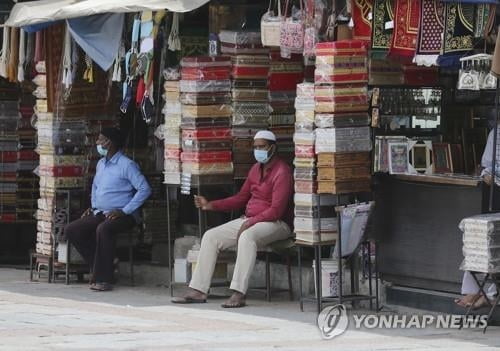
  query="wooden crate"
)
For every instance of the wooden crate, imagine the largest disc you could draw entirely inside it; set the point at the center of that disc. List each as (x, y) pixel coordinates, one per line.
(340, 159)
(344, 173)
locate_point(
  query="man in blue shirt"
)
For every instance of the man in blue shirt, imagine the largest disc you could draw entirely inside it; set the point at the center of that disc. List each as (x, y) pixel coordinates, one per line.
(118, 191)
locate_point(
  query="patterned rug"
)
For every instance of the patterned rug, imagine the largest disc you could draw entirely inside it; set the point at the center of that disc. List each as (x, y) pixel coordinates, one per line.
(406, 25)
(361, 10)
(383, 12)
(431, 32)
(458, 33)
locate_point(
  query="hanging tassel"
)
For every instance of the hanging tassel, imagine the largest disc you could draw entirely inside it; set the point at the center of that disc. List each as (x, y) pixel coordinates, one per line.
(88, 75)
(74, 59)
(22, 55)
(13, 55)
(67, 64)
(117, 66)
(174, 42)
(4, 56)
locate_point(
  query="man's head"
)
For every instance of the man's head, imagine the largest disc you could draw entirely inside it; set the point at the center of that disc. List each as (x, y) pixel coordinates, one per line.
(110, 141)
(264, 146)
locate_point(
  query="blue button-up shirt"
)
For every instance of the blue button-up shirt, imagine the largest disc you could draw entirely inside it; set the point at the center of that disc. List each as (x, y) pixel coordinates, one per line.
(119, 185)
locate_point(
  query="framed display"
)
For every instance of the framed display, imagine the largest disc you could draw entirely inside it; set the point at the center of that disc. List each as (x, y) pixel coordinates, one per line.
(398, 158)
(441, 157)
(457, 158)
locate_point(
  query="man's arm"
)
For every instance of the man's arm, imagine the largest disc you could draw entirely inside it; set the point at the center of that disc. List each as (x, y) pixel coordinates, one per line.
(487, 155)
(234, 202)
(140, 184)
(282, 191)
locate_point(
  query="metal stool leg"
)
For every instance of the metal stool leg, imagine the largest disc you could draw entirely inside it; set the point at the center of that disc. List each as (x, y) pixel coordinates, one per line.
(131, 258)
(31, 266)
(268, 278)
(68, 262)
(289, 271)
(299, 264)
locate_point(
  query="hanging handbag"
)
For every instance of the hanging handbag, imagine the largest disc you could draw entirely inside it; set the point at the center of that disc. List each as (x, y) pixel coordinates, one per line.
(468, 77)
(270, 26)
(292, 31)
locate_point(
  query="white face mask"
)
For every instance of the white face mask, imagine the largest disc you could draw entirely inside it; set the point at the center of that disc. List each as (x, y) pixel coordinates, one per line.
(102, 151)
(263, 156)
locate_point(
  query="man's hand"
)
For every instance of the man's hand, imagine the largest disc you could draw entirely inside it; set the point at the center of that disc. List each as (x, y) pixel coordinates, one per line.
(244, 226)
(488, 179)
(115, 214)
(202, 202)
(87, 212)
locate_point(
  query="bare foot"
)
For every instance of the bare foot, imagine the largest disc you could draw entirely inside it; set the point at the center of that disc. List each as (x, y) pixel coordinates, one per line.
(191, 296)
(481, 302)
(466, 300)
(235, 301)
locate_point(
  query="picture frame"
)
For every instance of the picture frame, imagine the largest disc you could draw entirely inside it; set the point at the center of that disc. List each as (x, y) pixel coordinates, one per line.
(420, 156)
(441, 158)
(398, 157)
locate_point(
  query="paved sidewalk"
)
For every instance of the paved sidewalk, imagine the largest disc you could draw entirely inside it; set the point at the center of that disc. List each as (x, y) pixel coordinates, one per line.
(41, 316)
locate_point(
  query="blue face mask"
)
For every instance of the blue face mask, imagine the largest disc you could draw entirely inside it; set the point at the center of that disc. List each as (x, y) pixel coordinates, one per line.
(102, 151)
(262, 156)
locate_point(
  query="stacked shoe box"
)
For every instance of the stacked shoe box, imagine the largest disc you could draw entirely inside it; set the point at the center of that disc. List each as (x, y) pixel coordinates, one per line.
(343, 139)
(481, 243)
(28, 182)
(172, 128)
(313, 211)
(305, 158)
(249, 94)
(9, 140)
(284, 76)
(206, 119)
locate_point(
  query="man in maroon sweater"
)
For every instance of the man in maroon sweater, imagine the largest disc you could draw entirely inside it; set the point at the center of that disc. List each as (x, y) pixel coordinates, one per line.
(266, 196)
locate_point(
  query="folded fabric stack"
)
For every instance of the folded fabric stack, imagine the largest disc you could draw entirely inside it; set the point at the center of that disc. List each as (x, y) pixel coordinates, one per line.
(313, 211)
(249, 93)
(172, 132)
(9, 140)
(481, 243)
(206, 117)
(284, 76)
(343, 139)
(28, 182)
(305, 158)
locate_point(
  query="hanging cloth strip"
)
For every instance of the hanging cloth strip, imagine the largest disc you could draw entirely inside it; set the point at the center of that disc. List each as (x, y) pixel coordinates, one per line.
(430, 38)
(22, 55)
(14, 55)
(383, 13)
(361, 12)
(29, 66)
(458, 33)
(406, 25)
(4, 57)
(130, 65)
(39, 47)
(484, 18)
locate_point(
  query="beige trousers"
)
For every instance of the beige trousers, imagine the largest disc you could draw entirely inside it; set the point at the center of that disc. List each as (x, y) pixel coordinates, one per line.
(224, 237)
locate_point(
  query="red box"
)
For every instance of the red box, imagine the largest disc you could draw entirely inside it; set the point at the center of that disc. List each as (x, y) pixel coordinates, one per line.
(206, 73)
(207, 156)
(285, 81)
(28, 155)
(416, 75)
(8, 156)
(204, 134)
(61, 171)
(206, 61)
(342, 48)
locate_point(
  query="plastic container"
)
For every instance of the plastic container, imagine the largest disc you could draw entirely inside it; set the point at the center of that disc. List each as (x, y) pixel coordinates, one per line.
(329, 278)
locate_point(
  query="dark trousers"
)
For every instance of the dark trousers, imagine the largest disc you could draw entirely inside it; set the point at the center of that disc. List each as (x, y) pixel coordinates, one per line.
(94, 238)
